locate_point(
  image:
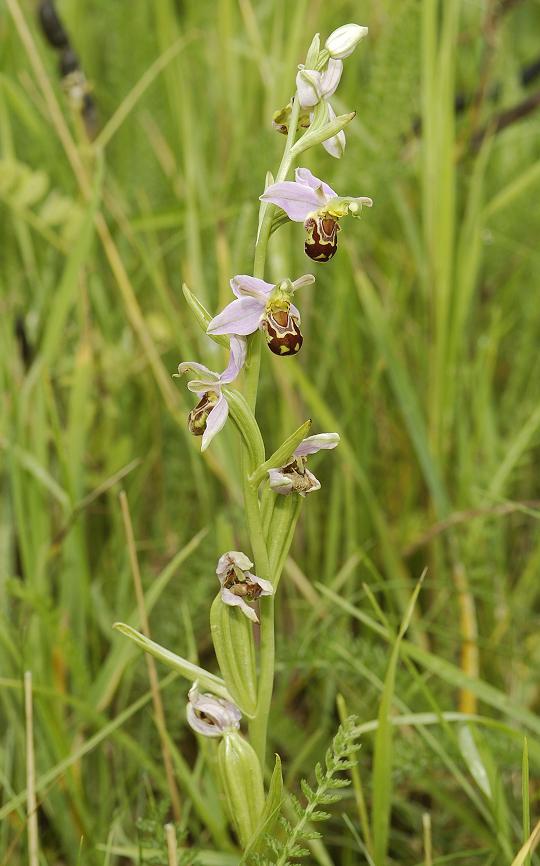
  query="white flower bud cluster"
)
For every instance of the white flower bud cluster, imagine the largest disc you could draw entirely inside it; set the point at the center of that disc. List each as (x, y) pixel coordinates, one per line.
(318, 79)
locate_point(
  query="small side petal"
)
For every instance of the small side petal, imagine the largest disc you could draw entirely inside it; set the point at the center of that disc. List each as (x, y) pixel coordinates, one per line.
(319, 442)
(215, 422)
(240, 317)
(304, 280)
(296, 199)
(356, 204)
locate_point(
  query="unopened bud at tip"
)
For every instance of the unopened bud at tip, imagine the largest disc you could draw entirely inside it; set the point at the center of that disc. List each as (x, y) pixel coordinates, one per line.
(342, 42)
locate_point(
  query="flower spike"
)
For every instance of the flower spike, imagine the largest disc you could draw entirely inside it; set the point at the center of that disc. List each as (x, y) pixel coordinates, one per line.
(310, 200)
(211, 412)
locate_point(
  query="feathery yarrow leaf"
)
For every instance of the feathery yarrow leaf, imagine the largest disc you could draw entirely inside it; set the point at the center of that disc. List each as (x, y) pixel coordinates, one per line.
(337, 760)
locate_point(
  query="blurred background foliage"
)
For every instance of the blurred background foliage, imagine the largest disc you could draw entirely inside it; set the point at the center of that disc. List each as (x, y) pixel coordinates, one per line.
(421, 349)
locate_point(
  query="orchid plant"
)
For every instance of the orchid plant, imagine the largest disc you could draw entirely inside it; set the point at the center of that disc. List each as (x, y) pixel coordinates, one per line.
(242, 614)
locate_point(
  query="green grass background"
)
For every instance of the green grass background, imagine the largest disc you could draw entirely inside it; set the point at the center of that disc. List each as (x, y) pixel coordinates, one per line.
(421, 349)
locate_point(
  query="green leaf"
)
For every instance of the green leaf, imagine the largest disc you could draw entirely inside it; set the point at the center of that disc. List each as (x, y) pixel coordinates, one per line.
(270, 813)
(317, 136)
(188, 670)
(473, 759)
(202, 316)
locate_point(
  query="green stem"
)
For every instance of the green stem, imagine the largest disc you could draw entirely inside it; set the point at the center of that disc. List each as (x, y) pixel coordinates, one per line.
(268, 209)
(259, 726)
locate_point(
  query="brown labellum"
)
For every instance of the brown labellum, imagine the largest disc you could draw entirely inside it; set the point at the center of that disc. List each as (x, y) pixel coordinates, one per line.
(199, 414)
(321, 238)
(242, 588)
(282, 332)
(303, 481)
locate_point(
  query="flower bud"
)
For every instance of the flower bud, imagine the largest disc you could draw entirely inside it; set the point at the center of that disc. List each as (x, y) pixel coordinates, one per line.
(342, 42)
(321, 237)
(211, 716)
(308, 85)
(198, 416)
(241, 778)
(282, 330)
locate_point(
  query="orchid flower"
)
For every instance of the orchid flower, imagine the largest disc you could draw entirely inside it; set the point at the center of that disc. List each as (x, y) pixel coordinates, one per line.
(310, 200)
(211, 716)
(266, 306)
(295, 477)
(212, 410)
(238, 584)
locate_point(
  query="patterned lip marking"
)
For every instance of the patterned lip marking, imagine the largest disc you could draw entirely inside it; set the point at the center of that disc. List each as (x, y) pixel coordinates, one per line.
(321, 238)
(199, 414)
(282, 333)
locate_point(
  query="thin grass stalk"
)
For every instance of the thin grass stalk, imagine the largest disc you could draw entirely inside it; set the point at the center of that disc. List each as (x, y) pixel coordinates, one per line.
(31, 800)
(152, 672)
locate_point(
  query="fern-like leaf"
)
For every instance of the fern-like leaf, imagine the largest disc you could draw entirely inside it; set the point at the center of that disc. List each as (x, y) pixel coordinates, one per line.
(337, 760)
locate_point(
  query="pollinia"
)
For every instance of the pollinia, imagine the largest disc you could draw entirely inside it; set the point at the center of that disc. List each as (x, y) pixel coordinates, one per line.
(233, 709)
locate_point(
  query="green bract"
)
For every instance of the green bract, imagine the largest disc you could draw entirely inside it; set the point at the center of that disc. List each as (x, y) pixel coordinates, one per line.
(241, 778)
(232, 635)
